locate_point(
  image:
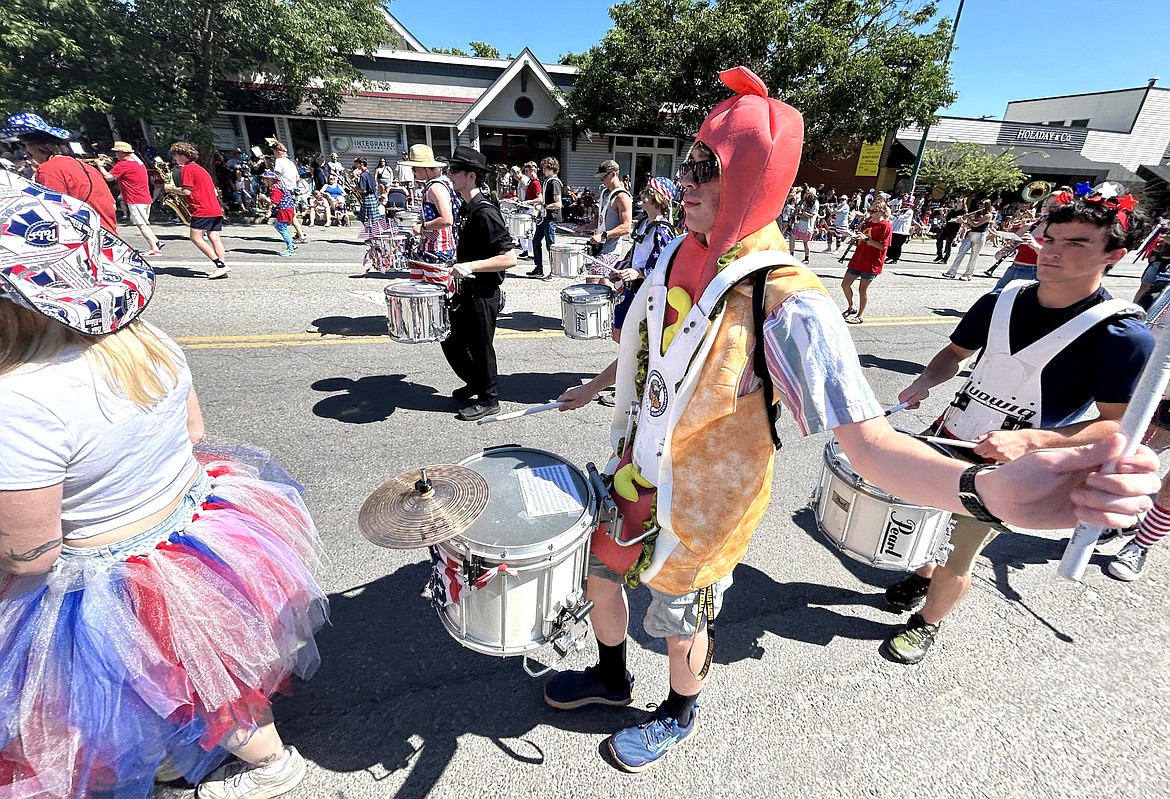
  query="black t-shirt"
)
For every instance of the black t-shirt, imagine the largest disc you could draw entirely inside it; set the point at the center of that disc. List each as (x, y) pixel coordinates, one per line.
(1103, 365)
(552, 194)
(482, 235)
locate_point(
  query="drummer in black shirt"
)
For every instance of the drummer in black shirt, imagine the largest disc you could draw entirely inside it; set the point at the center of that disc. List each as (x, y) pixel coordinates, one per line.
(483, 254)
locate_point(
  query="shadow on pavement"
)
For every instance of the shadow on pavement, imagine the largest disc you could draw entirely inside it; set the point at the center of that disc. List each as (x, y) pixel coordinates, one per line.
(532, 388)
(376, 398)
(247, 251)
(381, 275)
(394, 691)
(526, 320)
(890, 364)
(1009, 553)
(952, 312)
(181, 271)
(349, 325)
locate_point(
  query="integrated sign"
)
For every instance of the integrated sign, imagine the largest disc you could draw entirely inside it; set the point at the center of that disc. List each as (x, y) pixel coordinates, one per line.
(1015, 134)
(365, 145)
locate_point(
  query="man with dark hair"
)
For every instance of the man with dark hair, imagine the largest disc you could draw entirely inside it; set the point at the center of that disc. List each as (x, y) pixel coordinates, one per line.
(196, 185)
(1058, 362)
(483, 253)
(550, 213)
(57, 169)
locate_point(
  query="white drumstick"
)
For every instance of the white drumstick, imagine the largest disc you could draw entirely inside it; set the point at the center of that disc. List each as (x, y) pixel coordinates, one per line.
(548, 406)
(948, 442)
(1146, 396)
(901, 406)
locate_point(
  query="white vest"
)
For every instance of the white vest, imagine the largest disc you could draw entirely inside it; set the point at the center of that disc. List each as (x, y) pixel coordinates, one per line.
(1003, 391)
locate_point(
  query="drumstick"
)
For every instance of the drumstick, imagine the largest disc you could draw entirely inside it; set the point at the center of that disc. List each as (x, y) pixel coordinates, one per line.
(901, 406)
(948, 442)
(1146, 396)
(548, 406)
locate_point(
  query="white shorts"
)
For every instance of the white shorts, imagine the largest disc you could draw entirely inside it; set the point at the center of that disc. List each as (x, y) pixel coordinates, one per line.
(139, 213)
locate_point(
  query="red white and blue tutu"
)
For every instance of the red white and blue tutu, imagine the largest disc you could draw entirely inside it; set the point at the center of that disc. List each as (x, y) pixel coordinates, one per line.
(161, 646)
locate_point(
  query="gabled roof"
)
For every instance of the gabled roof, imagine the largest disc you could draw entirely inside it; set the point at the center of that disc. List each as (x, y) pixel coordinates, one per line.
(525, 59)
(409, 37)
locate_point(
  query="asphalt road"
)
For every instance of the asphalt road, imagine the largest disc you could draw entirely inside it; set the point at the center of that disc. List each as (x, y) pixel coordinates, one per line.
(1036, 688)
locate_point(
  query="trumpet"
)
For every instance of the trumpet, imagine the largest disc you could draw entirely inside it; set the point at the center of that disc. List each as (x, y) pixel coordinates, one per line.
(98, 160)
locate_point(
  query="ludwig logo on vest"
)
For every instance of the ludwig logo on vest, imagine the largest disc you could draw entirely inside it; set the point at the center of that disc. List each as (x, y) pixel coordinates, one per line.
(656, 393)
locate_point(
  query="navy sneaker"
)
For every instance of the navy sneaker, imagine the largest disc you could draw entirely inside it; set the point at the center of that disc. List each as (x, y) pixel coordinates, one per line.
(573, 689)
(638, 748)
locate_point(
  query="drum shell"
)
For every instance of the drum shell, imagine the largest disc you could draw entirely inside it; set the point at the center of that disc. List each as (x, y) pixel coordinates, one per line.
(872, 526)
(416, 312)
(514, 613)
(587, 311)
(567, 260)
(521, 225)
(407, 219)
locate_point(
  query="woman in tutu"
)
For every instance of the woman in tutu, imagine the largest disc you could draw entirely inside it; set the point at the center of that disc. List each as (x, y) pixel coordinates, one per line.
(151, 601)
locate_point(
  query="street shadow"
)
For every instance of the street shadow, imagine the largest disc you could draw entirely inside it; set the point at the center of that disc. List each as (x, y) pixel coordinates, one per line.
(396, 692)
(250, 251)
(528, 321)
(890, 364)
(181, 271)
(391, 275)
(530, 388)
(1015, 552)
(349, 325)
(375, 398)
(951, 312)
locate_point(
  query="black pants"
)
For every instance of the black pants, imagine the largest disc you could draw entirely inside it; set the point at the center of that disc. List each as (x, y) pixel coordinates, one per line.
(944, 241)
(896, 242)
(470, 349)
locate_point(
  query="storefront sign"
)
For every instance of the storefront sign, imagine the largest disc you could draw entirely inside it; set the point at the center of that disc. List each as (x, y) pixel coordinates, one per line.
(363, 145)
(869, 160)
(1017, 135)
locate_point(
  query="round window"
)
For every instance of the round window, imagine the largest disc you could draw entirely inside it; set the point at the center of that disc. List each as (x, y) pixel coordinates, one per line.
(523, 107)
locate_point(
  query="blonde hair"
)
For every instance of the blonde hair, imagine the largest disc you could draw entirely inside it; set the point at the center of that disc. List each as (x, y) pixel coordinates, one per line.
(134, 362)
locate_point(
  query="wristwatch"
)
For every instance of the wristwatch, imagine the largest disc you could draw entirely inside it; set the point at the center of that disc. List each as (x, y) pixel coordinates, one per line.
(971, 501)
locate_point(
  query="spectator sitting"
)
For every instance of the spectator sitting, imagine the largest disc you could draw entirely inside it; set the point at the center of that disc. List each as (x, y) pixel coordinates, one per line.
(396, 198)
(319, 210)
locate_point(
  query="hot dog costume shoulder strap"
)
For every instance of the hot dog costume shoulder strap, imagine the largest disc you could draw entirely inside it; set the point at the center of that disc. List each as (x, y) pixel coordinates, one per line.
(694, 436)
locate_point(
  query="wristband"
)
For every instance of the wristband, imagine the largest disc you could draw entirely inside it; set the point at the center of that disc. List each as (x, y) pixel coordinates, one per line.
(971, 501)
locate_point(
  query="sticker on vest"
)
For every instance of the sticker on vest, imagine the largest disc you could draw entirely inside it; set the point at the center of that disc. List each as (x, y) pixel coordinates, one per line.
(656, 393)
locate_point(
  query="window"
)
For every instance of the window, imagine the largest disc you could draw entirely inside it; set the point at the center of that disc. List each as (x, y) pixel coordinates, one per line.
(645, 142)
(1079, 123)
(624, 141)
(441, 141)
(523, 107)
(664, 164)
(416, 134)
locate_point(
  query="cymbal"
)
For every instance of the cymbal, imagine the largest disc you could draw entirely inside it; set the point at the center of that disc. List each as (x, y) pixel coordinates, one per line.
(423, 507)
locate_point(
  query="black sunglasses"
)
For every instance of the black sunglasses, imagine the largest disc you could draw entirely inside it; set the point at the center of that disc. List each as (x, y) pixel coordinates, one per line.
(700, 171)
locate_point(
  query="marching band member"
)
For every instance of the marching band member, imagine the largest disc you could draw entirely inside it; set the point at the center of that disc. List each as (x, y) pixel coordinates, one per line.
(196, 185)
(436, 227)
(152, 599)
(57, 169)
(699, 430)
(130, 173)
(869, 255)
(978, 222)
(1051, 355)
(550, 206)
(614, 220)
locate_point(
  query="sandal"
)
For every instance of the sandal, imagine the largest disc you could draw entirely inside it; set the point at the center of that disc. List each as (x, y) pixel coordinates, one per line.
(857, 320)
(848, 312)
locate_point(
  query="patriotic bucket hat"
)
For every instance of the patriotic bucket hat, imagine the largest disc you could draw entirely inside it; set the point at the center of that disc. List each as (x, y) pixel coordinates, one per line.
(57, 260)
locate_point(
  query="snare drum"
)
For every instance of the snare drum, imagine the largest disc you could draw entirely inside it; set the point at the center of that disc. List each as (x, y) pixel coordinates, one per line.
(521, 225)
(567, 260)
(416, 312)
(407, 220)
(587, 310)
(874, 527)
(515, 580)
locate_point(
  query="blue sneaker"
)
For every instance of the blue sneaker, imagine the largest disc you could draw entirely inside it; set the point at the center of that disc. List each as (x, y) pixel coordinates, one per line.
(573, 689)
(638, 748)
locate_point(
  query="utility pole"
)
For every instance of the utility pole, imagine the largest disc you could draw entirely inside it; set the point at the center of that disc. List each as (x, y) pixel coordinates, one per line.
(926, 130)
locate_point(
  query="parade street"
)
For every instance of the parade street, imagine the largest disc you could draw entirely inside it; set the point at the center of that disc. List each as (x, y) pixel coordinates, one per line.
(1038, 687)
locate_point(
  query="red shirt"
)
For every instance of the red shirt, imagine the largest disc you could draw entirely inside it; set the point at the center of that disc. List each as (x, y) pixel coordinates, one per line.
(202, 199)
(67, 175)
(532, 192)
(132, 181)
(867, 258)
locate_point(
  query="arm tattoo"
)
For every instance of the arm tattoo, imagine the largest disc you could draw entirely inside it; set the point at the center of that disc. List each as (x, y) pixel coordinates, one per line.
(32, 554)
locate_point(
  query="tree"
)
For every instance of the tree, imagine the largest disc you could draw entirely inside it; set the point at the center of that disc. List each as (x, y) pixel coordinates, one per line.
(450, 51)
(966, 168)
(478, 50)
(183, 61)
(856, 69)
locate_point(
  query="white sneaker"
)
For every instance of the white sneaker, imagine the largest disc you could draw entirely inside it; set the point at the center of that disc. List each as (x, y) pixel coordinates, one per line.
(239, 780)
(1129, 563)
(219, 272)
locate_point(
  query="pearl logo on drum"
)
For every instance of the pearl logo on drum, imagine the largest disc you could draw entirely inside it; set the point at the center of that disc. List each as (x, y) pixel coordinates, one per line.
(897, 531)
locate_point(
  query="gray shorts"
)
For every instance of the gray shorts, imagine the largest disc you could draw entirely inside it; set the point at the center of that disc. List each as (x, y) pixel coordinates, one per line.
(139, 213)
(667, 615)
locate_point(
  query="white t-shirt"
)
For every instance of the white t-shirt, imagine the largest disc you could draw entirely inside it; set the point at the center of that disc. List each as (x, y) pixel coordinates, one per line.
(286, 170)
(119, 462)
(901, 221)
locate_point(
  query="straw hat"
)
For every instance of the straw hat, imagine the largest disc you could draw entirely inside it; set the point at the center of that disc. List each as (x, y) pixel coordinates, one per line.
(422, 156)
(122, 147)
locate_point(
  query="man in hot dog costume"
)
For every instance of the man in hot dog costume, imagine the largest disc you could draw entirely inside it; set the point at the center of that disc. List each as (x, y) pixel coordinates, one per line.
(1058, 363)
(693, 469)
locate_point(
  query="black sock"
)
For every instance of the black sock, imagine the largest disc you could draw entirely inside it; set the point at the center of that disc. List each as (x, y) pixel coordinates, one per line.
(218, 263)
(611, 664)
(679, 707)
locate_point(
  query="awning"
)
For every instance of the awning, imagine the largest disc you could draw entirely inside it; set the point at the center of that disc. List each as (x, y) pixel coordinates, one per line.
(1035, 160)
(1155, 172)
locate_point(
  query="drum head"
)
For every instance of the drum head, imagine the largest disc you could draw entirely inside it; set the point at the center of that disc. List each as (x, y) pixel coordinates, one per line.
(584, 293)
(413, 288)
(535, 497)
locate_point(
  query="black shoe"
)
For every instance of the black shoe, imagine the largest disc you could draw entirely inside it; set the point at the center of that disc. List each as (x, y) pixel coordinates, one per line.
(573, 689)
(908, 594)
(464, 393)
(546, 277)
(537, 272)
(478, 410)
(911, 644)
(525, 256)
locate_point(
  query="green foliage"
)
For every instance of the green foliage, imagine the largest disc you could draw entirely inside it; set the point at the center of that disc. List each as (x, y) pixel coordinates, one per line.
(177, 61)
(966, 168)
(450, 51)
(483, 50)
(854, 68)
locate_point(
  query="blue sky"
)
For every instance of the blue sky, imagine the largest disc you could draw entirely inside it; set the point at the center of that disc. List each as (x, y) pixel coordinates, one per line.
(1005, 50)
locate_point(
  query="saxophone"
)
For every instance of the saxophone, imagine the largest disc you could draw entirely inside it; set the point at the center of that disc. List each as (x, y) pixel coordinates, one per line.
(175, 203)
